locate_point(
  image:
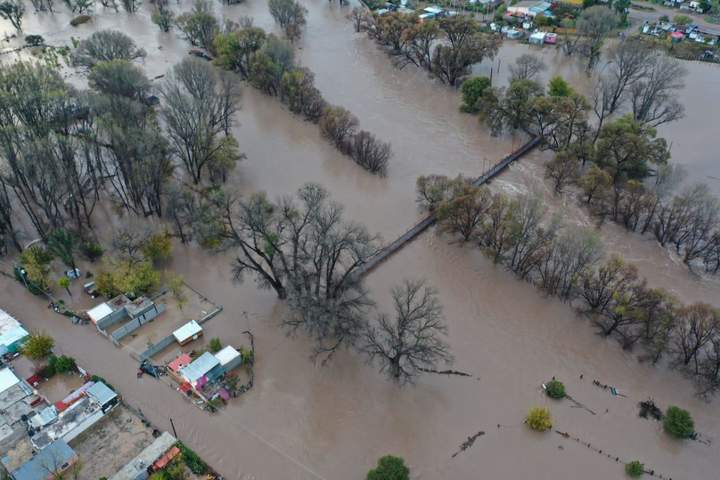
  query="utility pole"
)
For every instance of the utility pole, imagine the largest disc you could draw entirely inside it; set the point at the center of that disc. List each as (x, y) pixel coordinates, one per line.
(172, 424)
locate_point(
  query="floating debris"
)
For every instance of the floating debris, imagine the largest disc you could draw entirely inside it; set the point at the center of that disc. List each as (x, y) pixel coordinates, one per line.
(648, 407)
(468, 443)
(445, 372)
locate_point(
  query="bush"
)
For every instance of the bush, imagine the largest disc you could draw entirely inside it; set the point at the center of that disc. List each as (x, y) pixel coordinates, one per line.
(38, 346)
(193, 460)
(62, 364)
(92, 250)
(634, 468)
(34, 40)
(678, 422)
(215, 346)
(389, 468)
(555, 389)
(126, 276)
(538, 418)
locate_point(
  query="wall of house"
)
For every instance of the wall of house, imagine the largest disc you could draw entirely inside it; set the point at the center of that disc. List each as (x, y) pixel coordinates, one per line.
(137, 322)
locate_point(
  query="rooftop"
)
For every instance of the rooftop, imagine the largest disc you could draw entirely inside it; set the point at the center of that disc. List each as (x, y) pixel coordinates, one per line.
(202, 365)
(10, 329)
(7, 379)
(99, 312)
(187, 331)
(182, 361)
(147, 457)
(48, 461)
(226, 355)
(101, 393)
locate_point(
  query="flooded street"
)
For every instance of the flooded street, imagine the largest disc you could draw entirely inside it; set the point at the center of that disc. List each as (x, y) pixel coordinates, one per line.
(304, 421)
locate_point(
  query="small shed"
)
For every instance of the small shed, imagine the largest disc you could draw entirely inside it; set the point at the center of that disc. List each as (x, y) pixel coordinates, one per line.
(99, 312)
(229, 358)
(551, 38)
(188, 332)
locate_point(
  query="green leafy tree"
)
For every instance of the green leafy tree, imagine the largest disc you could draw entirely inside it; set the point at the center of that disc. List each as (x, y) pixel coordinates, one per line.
(36, 262)
(389, 467)
(62, 364)
(678, 422)
(199, 25)
(558, 87)
(682, 20)
(176, 286)
(64, 282)
(472, 90)
(126, 276)
(38, 345)
(158, 247)
(538, 418)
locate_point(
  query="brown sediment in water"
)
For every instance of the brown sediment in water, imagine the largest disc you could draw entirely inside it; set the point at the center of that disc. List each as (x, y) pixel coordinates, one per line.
(306, 421)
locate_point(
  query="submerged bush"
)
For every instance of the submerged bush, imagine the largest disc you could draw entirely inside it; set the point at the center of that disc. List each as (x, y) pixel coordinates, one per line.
(538, 418)
(555, 389)
(634, 468)
(389, 467)
(678, 422)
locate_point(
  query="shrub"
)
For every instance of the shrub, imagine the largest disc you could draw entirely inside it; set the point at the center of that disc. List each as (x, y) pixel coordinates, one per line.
(62, 364)
(634, 468)
(538, 418)
(34, 40)
(678, 422)
(38, 346)
(193, 460)
(389, 467)
(555, 389)
(92, 250)
(215, 346)
(126, 276)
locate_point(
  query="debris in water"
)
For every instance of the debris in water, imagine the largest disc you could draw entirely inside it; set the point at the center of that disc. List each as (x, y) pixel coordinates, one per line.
(468, 443)
(648, 407)
(446, 372)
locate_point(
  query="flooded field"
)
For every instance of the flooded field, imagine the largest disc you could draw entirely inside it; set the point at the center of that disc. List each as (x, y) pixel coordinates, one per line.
(304, 421)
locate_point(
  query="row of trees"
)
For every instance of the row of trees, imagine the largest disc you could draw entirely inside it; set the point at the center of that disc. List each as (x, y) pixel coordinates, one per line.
(63, 149)
(446, 48)
(305, 251)
(268, 63)
(14, 10)
(566, 261)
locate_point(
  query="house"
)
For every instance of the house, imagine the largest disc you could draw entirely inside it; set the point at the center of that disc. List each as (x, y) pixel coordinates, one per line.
(182, 361)
(83, 412)
(16, 403)
(188, 332)
(529, 8)
(12, 334)
(229, 358)
(140, 466)
(206, 368)
(551, 38)
(49, 463)
(537, 38)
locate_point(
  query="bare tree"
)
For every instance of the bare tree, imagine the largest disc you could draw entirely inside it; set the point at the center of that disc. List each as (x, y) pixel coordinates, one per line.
(697, 324)
(465, 212)
(290, 15)
(105, 46)
(628, 63)
(359, 18)
(370, 153)
(338, 125)
(412, 341)
(199, 26)
(593, 26)
(198, 111)
(527, 67)
(563, 170)
(654, 97)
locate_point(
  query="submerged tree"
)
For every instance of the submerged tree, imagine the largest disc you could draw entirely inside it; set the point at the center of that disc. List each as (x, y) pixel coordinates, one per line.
(199, 26)
(290, 15)
(198, 111)
(105, 46)
(13, 11)
(412, 341)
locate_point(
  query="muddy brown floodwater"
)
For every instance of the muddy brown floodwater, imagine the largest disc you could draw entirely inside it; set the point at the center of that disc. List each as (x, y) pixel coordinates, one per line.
(303, 421)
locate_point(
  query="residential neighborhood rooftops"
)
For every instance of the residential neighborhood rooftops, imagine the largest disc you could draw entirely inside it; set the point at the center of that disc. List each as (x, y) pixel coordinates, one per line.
(182, 361)
(101, 393)
(55, 458)
(187, 331)
(138, 465)
(202, 365)
(227, 355)
(7, 379)
(11, 331)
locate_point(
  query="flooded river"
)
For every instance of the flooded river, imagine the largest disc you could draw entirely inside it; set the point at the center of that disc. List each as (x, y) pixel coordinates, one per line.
(303, 421)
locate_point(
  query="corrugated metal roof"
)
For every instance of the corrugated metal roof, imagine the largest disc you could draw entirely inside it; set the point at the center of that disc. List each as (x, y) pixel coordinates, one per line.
(226, 355)
(187, 331)
(9, 379)
(101, 393)
(202, 365)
